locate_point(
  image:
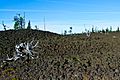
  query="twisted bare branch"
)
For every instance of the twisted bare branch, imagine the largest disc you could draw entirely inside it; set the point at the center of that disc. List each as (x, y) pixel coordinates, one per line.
(23, 50)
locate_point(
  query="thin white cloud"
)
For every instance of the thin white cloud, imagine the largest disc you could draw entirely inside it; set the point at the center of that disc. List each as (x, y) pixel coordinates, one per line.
(30, 10)
(63, 2)
(21, 10)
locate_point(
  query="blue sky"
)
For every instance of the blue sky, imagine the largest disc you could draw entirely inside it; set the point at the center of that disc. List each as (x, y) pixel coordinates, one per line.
(62, 14)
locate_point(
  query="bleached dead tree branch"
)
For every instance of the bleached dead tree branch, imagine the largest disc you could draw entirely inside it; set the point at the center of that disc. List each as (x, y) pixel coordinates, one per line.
(23, 50)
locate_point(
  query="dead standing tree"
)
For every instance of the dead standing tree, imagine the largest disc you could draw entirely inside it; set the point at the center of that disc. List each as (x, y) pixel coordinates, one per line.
(23, 51)
(88, 34)
(4, 25)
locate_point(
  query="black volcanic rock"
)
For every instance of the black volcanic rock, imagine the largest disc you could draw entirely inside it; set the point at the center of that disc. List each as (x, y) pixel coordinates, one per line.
(70, 57)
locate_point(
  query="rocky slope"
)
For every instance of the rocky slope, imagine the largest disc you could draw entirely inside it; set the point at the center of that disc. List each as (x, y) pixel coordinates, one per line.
(72, 57)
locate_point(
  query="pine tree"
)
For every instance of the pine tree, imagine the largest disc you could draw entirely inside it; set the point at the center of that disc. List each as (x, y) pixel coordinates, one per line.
(103, 31)
(107, 30)
(93, 31)
(70, 30)
(118, 29)
(19, 22)
(16, 25)
(110, 28)
(65, 32)
(29, 25)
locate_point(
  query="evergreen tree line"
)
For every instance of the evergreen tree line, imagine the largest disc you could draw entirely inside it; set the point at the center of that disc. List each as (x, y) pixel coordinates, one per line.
(94, 30)
(19, 22)
(107, 30)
